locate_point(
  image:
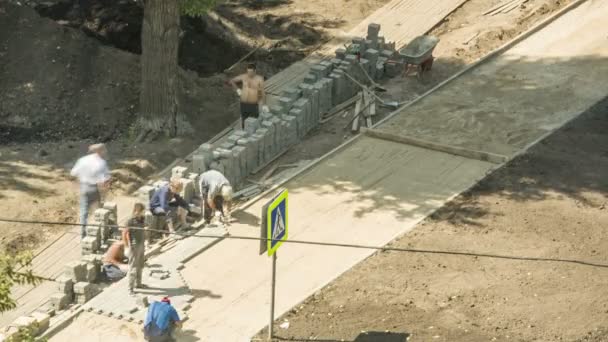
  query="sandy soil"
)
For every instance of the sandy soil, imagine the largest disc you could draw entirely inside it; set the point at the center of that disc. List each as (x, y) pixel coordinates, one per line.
(549, 203)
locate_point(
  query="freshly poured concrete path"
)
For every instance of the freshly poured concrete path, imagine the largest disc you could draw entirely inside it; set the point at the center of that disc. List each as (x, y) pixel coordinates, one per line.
(374, 190)
(529, 91)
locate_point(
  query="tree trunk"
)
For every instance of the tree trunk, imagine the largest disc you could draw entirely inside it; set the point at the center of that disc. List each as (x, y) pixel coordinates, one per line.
(159, 70)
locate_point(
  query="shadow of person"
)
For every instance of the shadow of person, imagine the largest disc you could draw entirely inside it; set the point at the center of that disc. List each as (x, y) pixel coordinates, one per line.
(376, 336)
(244, 217)
(186, 336)
(204, 294)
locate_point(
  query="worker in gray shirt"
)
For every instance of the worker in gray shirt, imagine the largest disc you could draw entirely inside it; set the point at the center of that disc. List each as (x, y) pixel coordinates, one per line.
(134, 238)
(216, 195)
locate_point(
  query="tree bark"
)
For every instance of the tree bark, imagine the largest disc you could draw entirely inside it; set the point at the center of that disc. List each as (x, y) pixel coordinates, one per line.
(159, 106)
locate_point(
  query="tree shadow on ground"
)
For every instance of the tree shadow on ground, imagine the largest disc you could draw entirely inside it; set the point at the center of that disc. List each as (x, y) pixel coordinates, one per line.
(370, 336)
(14, 177)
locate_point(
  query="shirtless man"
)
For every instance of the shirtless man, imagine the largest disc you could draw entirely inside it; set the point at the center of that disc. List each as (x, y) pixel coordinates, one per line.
(251, 93)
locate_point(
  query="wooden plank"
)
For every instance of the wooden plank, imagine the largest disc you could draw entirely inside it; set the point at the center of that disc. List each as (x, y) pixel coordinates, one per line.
(458, 151)
(512, 7)
(498, 7)
(356, 115)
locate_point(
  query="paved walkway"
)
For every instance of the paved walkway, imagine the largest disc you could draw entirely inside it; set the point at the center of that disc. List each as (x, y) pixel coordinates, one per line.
(374, 190)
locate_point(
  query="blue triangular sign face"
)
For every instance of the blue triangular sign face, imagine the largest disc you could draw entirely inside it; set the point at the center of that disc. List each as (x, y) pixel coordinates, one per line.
(279, 225)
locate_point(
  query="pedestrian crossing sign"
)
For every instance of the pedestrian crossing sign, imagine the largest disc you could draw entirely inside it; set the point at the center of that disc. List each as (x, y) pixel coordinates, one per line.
(277, 222)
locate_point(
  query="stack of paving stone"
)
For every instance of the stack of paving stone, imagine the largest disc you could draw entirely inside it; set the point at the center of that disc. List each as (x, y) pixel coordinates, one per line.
(295, 113)
(299, 109)
(37, 323)
(99, 231)
(77, 282)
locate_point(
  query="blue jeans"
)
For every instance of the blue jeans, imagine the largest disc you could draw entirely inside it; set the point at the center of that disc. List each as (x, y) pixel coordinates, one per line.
(89, 194)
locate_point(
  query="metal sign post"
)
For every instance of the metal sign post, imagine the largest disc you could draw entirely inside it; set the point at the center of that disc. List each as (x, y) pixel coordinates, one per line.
(274, 232)
(272, 287)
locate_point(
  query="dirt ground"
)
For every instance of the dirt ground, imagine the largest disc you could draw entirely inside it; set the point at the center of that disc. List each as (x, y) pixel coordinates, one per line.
(85, 80)
(549, 203)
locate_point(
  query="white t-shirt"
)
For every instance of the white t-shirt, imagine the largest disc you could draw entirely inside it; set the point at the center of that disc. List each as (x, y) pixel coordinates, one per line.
(91, 169)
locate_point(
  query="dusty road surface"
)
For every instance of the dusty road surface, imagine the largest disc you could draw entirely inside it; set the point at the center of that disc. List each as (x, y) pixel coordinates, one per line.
(370, 192)
(549, 203)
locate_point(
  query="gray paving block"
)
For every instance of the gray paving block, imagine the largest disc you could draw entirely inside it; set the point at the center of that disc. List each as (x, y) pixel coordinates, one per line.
(300, 121)
(200, 163)
(251, 125)
(60, 301)
(75, 270)
(340, 53)
(373, 30)
(292, 93)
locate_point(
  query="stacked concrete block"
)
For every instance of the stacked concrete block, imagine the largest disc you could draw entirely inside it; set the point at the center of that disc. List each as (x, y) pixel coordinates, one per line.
(188, 190)
(365, 67)
(303, 105)
(240, 133)
(90, 244)
(257, 142)
(240, 157)
(359, 41)
(93, 272)
(194, 178)
(265, 145)
(75, 270)
(113, 208)
(251, 125)
(227, 163)
(37, 323)
(144, 194)
(381, 43)
(300, 121)
(200, 163)
(275, 110)
(217, 166)
(84, 291)
(292, 129)
(251, 154)
(286, 103)
(393, 69)
(271, 138)
(179, 172)
(372, 56)
(265, 116)
(340, 53)
(60, 301)
(101, 217)
(43, 321)
(320, 71)
(65, 285)
(292, 93)
(310, 78)
(388, 54)
(335, 62)
(339, 89)
(279, 134)
(226, 145)
(233, 138)
(373, 30)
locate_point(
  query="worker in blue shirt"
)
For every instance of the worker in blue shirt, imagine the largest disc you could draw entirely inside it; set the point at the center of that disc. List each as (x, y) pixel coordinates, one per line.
(161, 320)
(165, 202)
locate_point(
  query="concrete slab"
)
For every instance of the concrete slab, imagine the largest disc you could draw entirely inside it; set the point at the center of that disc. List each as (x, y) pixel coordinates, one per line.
(521, 95)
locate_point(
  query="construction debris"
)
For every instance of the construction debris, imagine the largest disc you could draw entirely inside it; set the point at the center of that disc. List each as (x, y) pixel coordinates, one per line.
(505, 7)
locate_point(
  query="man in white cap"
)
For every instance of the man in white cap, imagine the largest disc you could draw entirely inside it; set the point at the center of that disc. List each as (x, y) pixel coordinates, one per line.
(216, 195)
(94, 175)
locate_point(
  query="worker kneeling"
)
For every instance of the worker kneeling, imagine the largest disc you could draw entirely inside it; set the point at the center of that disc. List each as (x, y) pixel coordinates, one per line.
(165, 204)
(161, 321)
(216, 196)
